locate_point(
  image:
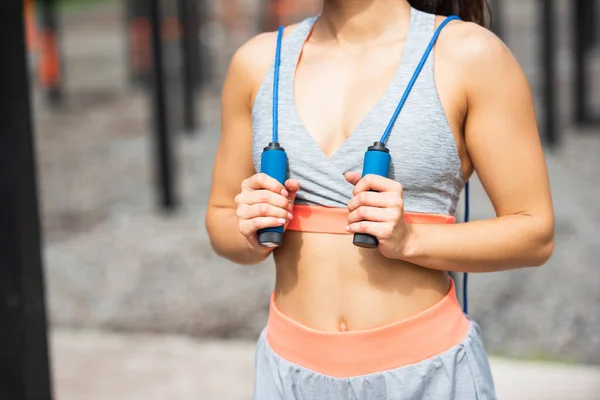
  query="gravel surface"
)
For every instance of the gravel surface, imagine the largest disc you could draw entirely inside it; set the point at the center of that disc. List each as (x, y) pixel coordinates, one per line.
(113, 261)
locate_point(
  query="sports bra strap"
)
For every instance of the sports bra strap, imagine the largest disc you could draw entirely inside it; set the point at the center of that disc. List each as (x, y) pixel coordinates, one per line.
(416, 74)
(409, 87)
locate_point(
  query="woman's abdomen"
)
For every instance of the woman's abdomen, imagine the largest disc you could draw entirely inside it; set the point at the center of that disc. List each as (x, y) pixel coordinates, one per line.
(326, 283)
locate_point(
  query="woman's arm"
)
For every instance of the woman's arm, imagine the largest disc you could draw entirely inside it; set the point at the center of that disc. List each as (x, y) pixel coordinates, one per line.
(233, 164)
(503, 144)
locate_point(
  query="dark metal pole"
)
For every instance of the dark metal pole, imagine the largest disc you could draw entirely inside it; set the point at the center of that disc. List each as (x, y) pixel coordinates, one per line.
(188, 16)
(138, 42)
(203, 67)
(584, 38)
(548, 60)
(24, 359)
(162, 140)
(50, 65)
(580, 86)
(128, 19)
(497, 17)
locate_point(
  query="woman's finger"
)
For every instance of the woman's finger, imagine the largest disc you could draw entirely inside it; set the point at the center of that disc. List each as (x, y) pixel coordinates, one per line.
(249, 211)
(374, 214)
(352, 177)
(292, 185)
(264, 196)
(249, 227)
(378, 184)
(375, 199)
(264, 181)
(377, 229)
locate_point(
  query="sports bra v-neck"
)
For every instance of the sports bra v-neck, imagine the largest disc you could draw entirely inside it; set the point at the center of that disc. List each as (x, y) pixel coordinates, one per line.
(424, 157)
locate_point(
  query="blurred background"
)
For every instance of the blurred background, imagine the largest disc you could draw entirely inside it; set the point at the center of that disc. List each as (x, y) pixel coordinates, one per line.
(124, 99)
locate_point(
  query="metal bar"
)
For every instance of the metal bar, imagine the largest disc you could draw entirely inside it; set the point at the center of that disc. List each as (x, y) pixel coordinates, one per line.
(594, 32)
(24, 358)
(548, 61)
(128, 18)
(497, 21)
(162, 137)
(589, 28)
(203, 68)
(50, 63)
(189, 21)
(138, 41)
(580, 84)
(584, 13)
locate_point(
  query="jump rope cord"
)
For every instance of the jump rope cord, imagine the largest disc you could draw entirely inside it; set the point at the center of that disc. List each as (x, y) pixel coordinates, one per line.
(276, 85)
(392, 121)
(466, 275)
(416, 74)
(409, 87)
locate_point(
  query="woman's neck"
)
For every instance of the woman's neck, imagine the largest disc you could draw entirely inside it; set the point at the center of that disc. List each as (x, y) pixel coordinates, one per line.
(362, 21)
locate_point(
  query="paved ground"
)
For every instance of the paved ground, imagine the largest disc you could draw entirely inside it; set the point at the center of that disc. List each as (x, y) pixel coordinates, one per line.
(93, 366)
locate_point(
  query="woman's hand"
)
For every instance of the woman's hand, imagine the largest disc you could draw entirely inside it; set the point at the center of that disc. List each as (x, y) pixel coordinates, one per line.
(264, 203)
(377, 208)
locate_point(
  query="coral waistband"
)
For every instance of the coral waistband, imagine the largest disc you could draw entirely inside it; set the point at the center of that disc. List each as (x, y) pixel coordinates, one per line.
(346, 354)
(321, 219)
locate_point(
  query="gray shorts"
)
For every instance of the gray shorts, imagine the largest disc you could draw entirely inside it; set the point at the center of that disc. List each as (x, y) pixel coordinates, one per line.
(437, 354)
(461, 373)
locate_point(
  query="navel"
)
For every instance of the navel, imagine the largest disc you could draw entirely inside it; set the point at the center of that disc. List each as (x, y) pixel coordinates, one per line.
(342, 326)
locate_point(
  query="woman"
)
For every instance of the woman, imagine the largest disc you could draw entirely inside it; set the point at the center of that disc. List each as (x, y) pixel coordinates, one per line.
(352, 323)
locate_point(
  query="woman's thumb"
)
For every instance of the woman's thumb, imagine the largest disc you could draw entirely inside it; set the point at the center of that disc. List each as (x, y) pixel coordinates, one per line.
(352, 177)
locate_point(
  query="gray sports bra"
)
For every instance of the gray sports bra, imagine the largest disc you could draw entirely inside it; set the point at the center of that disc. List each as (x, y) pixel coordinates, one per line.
(424, 157)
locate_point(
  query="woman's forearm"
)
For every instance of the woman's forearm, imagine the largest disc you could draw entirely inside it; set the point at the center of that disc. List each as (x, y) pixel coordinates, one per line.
(227, 241)
(503, 243)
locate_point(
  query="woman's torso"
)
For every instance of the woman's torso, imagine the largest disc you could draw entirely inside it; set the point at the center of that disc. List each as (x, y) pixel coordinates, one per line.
(333, 104)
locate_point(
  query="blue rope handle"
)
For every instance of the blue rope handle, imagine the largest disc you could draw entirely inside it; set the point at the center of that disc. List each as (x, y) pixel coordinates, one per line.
(276, 85)
(416, 74)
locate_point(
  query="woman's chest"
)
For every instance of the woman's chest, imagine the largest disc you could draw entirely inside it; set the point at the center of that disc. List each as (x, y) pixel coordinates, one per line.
(334, 93)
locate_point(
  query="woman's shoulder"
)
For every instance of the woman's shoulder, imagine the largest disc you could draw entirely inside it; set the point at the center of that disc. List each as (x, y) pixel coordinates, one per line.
(255, 56)
(474, 55)
(468, 42)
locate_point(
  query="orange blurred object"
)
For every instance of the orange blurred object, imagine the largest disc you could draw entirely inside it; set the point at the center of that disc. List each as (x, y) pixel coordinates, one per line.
(140, 44)
(171, 29)
(49, 64)
(31, 32)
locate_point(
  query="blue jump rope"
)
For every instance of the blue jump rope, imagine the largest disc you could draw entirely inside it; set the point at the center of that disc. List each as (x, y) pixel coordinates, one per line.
(376, 161)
